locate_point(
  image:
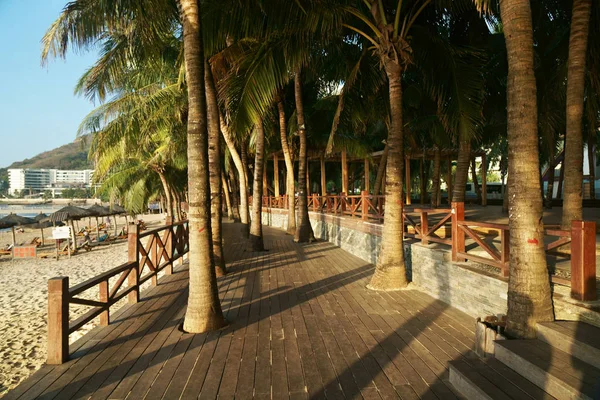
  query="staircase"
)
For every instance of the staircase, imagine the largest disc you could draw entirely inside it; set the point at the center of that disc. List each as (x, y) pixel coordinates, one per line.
(562, 363)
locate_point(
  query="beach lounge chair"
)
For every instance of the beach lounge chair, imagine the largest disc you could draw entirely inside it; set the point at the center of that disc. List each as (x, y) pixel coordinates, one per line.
(37, 241)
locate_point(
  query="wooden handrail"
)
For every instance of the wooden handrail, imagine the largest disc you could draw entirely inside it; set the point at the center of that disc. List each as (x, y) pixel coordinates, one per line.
(157, 253)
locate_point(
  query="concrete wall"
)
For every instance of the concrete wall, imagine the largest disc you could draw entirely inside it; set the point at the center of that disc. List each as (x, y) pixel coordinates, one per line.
(429, 267)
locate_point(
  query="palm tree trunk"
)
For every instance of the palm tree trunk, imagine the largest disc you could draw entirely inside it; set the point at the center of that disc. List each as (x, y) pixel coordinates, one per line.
(256, 235)
(289, 169)
(550, 187)
(235, 195)
(462, 170)
(529, 298)
(204, 309)
(390, 272)
(239, 166)
(304, 232)
(227, 196)
(435, 191)
(245, 161)
(380, 172)
(214, 170)
(572, 199)
(166, 191)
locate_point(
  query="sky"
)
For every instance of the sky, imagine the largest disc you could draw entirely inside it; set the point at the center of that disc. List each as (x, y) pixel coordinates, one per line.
(38, 110)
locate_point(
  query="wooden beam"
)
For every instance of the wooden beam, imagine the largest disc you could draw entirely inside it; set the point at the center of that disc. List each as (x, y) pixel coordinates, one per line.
(407, 178)
(58, 320)
(422, 180)
(367, 176)
(344, 172)
(483, 180)
(276, 174)
(583, 260)
(323, 178)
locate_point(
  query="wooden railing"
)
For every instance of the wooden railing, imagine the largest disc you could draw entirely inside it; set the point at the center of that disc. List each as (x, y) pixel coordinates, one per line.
(426, 225)
(149, 253)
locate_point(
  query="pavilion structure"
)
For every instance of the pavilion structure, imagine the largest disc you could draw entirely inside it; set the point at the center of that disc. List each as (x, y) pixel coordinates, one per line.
(373, 159)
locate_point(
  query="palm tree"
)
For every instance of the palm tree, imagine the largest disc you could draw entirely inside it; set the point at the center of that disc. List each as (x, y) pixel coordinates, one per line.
(204, 309)
(214, 164)
(289, 167)
(529, 299)
(573, 161)
(256, 235)
(304, 232)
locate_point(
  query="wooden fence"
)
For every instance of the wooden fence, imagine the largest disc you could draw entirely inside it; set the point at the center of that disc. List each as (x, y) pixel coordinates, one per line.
(149, 252)
(448, 226)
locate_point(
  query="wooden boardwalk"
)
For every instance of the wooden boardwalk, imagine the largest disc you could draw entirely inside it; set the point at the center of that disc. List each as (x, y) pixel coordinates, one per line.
(302, 325)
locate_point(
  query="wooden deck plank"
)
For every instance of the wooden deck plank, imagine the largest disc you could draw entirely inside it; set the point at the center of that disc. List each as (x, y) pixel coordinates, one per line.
(301, 325)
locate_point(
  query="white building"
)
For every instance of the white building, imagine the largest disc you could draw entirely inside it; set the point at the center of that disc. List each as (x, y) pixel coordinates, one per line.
(53, 180)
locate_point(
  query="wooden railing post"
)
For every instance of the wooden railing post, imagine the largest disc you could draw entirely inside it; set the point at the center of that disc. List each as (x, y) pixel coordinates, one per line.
(169, 246)
(424, 227)
(105, 316)
(343, 200)
(583, 260)
(58, 320)
(458, 235)
(153, 254)
(335, 205)
(133, 256)
(505, 251)
(314, 196)
(364, 198)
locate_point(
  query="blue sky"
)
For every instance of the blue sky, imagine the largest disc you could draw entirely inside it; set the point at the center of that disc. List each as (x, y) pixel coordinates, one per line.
(38, 110)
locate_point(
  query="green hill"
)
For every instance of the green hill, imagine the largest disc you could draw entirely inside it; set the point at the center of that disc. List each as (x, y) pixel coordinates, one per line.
(69, 156)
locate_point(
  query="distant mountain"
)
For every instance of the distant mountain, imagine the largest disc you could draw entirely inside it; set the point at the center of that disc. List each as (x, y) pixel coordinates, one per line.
(69, 156)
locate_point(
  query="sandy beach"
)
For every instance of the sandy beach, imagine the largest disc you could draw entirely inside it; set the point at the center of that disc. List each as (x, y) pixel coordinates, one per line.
(23, 296)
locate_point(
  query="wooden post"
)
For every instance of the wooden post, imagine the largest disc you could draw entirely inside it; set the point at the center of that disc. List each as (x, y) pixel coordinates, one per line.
(344, 172)
(367, 176)
(449, 180)
(458, 235)
(484, 180)
(424, 228)
(364, 205)
(505, 251)
(169, 245)
(323, 178)
(276, 174)
(153, 255)
(58, 320)
(407, 178)
(265, 185)
(583, 260)
(105, 316)
(314, 202)
(132, 256)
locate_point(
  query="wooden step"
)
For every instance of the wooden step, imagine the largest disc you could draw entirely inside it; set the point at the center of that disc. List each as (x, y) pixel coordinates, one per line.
(556, 372)
(573, 337)
(490, 379)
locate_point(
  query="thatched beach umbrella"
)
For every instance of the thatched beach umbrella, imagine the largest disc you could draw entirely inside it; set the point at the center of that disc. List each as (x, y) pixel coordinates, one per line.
(70, 213)
(12, 220)
(99, 211)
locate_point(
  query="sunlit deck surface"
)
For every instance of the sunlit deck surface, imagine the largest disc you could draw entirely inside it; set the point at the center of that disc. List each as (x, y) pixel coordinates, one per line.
(302, 325)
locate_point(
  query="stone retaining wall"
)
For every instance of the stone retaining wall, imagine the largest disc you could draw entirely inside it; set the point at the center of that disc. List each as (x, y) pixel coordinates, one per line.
(429, 267)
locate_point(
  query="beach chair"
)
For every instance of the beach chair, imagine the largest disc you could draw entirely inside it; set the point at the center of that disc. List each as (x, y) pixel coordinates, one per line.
(37, 241)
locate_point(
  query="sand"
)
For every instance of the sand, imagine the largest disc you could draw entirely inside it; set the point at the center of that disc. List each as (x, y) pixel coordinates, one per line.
(23, 299)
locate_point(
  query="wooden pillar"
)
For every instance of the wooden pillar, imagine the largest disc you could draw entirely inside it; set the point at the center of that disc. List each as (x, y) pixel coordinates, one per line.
(132, 256)
(105, 315)
(367, 176)
(276, 174)
(458, 235)
(583, 260)
(323, 178)
(484, 180)
(449, 180)
(58, 320)
(407, 179)
(422, 180)
(344, 172)
(265, 185)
